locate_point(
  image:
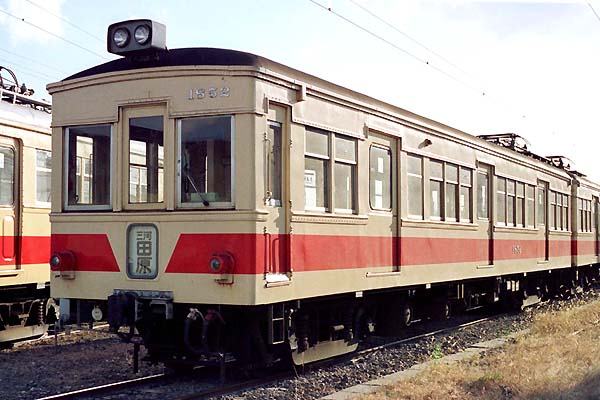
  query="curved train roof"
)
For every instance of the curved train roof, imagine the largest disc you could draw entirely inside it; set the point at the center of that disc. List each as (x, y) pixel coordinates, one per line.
(181, 57)
(25, 115)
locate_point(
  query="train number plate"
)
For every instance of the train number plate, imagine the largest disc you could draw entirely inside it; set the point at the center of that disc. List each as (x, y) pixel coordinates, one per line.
(142, 251)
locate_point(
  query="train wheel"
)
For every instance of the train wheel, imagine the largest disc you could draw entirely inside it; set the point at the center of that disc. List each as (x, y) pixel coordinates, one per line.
(406, 314)
(441, 310)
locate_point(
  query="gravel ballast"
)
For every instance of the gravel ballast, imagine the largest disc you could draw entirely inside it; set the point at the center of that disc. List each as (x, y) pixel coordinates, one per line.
(90, 358)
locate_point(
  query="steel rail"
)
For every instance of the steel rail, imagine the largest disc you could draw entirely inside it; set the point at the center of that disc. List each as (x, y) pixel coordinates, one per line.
(222, 390)
(95, 390)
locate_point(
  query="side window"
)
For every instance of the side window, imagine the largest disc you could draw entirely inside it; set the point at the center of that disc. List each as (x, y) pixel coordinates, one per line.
(88, 165)
(43, 165)
(510, 202)
(7, 176)
(520, 208)
(565, 211)
(541, 206)
(553, 210)
(273, 163)
(316, 170)
(530, 200)
(344, 173)
(205, 161)
(380, 178)
(451, 191)
(501, 200)
(436, 181)
(588, 215)
(465, 194)
(414, 170)
(482, 195)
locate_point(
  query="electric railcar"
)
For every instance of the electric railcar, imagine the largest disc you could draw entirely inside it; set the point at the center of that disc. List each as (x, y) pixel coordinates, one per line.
(25, 176)
(213, 202)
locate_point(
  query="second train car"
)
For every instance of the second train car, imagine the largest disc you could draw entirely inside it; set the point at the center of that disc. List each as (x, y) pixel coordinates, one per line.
(25, 158)
(214, 202)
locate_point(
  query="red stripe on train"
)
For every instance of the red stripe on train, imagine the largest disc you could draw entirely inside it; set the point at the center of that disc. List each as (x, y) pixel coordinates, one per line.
(93, 252)
(257, 254)
(33, 250)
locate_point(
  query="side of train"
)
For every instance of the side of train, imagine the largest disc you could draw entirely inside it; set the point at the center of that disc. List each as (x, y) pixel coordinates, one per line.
(25, 162)
(237, 206)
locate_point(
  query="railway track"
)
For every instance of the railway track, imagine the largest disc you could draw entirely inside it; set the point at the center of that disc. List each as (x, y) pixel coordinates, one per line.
(211, 387)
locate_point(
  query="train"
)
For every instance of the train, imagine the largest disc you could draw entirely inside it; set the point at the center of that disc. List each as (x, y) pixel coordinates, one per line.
(26, 309)
(215, 205)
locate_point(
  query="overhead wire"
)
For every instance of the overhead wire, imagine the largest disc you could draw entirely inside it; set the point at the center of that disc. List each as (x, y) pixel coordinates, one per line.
(65, 21)
(54, 34)
(27, 71)
(406, 35)
(392, 44)
(593, 10)
(33, 61)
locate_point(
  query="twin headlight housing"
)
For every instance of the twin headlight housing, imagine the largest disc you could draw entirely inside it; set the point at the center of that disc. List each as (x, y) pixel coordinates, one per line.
(139, 36)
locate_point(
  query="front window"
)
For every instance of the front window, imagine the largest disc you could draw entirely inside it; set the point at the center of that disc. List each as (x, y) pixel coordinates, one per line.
(88, 165)
(146, 157)
(205, 161)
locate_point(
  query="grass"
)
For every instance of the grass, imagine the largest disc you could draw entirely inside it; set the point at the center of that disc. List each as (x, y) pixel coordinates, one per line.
(559, 358)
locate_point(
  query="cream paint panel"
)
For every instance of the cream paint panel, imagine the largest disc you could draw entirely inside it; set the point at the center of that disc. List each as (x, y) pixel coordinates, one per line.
(329, 116)
(36, 222)
(217, 222)
(318, 283)
(73, 106)
(29, 273)
(245, 138)
(187, 288)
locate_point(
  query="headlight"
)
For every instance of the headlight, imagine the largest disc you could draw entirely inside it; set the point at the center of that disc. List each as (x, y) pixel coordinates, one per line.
(121, 37)
(142, 34)
(216, 263)
(55, 261)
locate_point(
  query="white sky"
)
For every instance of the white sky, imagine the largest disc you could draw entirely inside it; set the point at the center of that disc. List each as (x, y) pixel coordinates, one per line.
(537, 62)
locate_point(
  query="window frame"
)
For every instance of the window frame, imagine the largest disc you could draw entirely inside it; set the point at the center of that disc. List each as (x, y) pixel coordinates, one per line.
(328, 195)
(353, 172)
(330, 161)
(391, 167)
(199, 204)
(43, 204)
(409, 215)
(270, 199)
(65, 173)
(469, 187)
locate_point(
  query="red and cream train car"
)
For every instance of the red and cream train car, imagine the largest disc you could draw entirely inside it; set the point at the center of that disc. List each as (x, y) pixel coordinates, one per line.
(25, 160)
(230, 204)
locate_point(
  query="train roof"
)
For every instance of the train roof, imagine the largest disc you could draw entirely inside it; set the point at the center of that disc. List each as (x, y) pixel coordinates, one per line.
(181, 57)
(24, 115)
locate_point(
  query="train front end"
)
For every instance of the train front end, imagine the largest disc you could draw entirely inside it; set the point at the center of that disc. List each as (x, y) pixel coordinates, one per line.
(161, 220)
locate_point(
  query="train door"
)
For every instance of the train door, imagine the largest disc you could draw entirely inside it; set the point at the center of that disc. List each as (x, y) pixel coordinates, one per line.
(484, 215)
(384, 194)
(542, 220)
(277, 238)
(9, 202)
